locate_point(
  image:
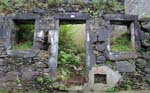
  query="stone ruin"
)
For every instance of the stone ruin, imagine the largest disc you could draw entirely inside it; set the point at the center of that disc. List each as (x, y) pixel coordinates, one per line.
(27, 65)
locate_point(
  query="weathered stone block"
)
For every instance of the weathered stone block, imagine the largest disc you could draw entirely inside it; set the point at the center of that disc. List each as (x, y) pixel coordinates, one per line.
(101, 47)
(148, 76)
(12, 76)
(122, 55)
(25, 16)
(1, 62)
(103, 35)
(147, 56)
(25, 54)
(112, 78)
(101, 59)
(2, 74)
(125, 66)
(147, 69)
(3, 33)
(72, 16)
(27, 73)
(40, 64)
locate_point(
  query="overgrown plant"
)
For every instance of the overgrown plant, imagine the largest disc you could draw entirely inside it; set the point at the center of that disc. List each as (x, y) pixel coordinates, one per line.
(47, 84)
(103, 6)
(122, 43)
(71, 50)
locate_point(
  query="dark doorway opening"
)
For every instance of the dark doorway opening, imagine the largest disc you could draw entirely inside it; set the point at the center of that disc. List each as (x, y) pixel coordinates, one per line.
(72, 52)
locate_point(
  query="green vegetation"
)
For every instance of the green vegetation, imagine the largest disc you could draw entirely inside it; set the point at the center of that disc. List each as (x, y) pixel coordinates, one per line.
(112, 90)
(71, 50)
(121, 43)
(104, 7)
(46, 85)
(24, 37)
(3, 91)
(28, 5)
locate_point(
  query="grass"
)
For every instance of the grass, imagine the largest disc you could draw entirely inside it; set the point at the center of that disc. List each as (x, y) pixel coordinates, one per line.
(23, 46)
(3, 91)
(121, 43)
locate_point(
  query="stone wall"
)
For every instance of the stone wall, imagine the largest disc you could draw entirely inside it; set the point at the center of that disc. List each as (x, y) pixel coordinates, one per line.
(137, 7)
(20, 69)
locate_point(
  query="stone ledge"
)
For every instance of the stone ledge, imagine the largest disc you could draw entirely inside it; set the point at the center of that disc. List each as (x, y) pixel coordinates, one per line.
(120, 17)
(122, 55)
(73, 16)
(125, 66)
(23, 53)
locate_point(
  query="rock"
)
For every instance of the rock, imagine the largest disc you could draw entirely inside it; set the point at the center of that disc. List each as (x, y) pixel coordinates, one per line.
(137, 7)
(141, 61)
(112, 78)
(103, 35)
(1, 62)
(146, 25)
(147, 69)
(27, 73)
(46, 70)
(101, 47)
(101, 59)
(25, 54)
(122, 55)
(2, 74)
(12, 76)
(147, 56)
(46, 74)
(41, 65)
(148, 76)
(125, 66)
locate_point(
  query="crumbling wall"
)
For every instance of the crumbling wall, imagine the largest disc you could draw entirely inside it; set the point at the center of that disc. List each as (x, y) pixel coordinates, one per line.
(20, 69)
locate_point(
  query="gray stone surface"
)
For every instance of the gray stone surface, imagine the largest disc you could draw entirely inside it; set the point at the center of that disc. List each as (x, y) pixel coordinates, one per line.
(101, 47)
(103, 35)
(147, 68)
(27, 73)
(40, 64)
(1, 62)
(100, 59)
(12, 76)
(137, 7)
(112, 78)
(122, 55)
(148, 76)
(25, 54)
(147, 55)
(73, 16)
(125, 66)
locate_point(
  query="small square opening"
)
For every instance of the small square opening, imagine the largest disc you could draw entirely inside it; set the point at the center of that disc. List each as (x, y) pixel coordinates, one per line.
(23, 35)
(100, 78)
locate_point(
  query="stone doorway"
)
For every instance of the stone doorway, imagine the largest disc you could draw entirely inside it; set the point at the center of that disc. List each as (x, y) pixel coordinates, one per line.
(72, 52)
(71, 19)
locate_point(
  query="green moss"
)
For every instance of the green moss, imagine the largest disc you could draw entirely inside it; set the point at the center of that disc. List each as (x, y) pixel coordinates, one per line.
(121, 43)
